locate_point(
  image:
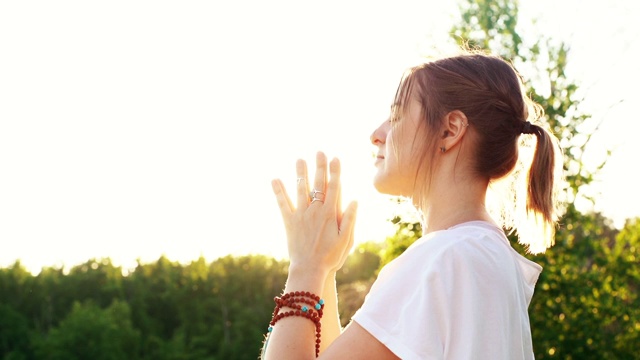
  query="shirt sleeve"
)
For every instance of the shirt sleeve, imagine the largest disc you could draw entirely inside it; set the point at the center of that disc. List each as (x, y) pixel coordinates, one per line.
(406, 308)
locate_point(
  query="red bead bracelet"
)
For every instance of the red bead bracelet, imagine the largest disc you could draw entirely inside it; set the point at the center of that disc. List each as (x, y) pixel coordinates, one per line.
(298, 301)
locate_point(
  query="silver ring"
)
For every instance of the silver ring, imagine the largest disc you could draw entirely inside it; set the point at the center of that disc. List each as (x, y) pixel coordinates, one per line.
(299, 180)
(316, 195)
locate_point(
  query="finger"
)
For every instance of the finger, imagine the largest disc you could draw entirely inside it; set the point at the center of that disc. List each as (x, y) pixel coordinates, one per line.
(333, 188)
(347, 249)
(284, 202)
(347, 231)
(334, 170)
(302, 184)
(320, 181)
(349, 219)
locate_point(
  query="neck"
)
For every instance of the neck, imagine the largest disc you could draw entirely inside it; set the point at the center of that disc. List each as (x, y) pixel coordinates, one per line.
(454, 202)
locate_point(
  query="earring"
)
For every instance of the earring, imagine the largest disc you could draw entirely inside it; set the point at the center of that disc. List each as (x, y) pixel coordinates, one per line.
(443, 149)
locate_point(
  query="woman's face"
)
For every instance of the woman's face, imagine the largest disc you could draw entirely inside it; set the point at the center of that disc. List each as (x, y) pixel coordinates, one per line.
(397, 145)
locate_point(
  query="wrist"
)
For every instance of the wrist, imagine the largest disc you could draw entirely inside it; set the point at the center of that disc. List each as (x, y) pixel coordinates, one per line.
(302, 278)
(331, 277)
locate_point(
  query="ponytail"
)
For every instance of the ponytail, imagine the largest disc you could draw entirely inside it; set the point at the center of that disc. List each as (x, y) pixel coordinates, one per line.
(536, 224)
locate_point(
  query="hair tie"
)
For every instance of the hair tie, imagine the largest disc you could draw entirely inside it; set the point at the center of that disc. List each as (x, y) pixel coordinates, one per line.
(527, 129)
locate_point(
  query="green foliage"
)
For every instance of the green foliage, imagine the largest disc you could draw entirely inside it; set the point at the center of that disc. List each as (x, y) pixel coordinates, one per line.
(361, 265)
(624, 287)
(90, 332)
(14, 333)
(161, 310)
(586, 302)
(489, 25)
(356, 277)
(406, 234)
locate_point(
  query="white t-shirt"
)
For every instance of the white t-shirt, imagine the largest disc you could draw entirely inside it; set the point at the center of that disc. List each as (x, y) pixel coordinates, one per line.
(460, 293)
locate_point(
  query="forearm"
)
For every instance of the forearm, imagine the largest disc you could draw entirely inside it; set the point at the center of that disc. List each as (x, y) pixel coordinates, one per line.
(293, 337)
(331, 327)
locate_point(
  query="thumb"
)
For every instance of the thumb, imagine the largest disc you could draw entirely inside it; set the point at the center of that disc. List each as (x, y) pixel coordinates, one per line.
(349, 218)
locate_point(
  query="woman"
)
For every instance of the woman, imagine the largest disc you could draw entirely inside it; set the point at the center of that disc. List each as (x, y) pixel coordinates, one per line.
(461, 291)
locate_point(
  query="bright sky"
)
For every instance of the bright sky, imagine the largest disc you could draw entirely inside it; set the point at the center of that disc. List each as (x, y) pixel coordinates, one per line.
(132, 129)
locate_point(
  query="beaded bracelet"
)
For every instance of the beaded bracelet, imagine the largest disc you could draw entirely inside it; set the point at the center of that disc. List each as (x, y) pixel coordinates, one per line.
(298, 301)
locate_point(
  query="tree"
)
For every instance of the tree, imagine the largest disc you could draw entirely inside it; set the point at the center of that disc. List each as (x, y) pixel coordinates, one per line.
(14, 334)
(244, 288)
(356, 277)
(576, 297)
(161, 310)
(493, 25)
(89, 332)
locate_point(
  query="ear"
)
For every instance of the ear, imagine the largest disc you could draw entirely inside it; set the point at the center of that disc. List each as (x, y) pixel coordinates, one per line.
(453, 130)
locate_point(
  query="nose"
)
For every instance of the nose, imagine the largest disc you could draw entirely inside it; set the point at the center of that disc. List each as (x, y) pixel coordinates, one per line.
(379, 135)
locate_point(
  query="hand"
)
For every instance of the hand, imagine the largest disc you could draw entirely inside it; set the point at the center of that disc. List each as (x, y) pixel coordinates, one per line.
(319, 234)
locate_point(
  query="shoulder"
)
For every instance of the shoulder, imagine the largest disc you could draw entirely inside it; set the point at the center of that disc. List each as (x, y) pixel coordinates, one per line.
(459, 259)
(444, 262)
(469, 242)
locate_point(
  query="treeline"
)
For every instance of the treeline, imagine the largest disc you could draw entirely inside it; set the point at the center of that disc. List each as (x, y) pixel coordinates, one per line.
(162, 310)
(586, 304)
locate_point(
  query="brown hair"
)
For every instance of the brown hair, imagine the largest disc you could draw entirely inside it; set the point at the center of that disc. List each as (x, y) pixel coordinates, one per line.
(489, 91)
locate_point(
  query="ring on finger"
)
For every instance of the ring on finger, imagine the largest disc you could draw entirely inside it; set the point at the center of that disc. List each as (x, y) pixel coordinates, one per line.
(299, 180)
(316, 195)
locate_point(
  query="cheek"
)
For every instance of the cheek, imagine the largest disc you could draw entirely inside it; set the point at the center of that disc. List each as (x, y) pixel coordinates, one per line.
(405, 155)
